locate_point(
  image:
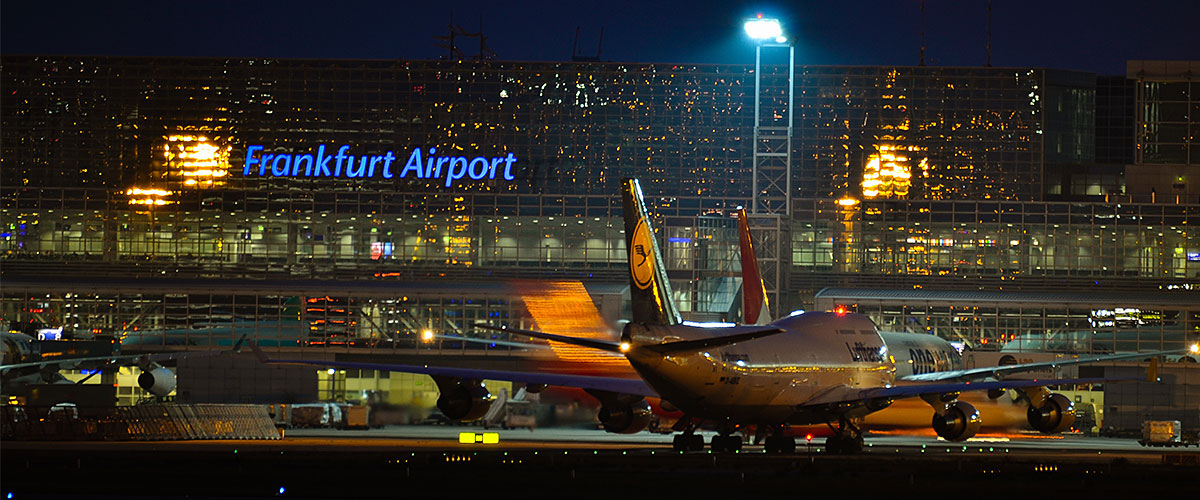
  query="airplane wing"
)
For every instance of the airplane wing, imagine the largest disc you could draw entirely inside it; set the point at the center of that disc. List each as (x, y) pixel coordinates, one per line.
(992, 372)
(116, 359)
(846, 394)
(519, 345)
(603, 345)
(612, 384)
(743, 334)
(735, 334)
(69, 363)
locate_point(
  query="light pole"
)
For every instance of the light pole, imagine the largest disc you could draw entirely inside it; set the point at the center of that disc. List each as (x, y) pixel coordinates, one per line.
(772, 184)
(771, 204)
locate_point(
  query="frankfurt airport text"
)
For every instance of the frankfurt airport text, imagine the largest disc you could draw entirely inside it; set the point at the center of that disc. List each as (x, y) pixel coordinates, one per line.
(344, 164)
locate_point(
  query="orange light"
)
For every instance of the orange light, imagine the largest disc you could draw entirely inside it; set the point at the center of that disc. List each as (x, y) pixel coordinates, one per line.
(840, 310)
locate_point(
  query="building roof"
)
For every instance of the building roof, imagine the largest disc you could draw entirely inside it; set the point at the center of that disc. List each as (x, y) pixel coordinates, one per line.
(446, 288)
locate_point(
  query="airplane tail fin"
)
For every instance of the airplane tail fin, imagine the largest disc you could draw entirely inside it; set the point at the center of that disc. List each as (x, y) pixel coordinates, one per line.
(650, 292)
(755, 310)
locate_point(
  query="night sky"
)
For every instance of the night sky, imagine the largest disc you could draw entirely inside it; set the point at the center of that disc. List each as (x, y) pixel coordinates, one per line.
(1097, 36)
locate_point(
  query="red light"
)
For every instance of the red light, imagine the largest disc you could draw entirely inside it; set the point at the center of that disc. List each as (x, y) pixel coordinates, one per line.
(840, 310)
(808, 437)
(760, 15)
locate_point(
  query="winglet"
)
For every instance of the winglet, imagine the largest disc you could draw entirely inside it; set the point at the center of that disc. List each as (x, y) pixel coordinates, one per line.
(237, 347)
(258, 352)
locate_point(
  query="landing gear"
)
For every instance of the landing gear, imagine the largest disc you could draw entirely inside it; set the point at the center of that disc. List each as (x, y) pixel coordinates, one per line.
(726, 440)
(731, 443)
(778, 443)
(843, 445)
(688, 440)
(847, 440)
(778, 440)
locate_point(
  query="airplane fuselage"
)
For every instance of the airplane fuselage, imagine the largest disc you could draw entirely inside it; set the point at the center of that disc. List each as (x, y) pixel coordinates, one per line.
(768, 380)
(918, 353)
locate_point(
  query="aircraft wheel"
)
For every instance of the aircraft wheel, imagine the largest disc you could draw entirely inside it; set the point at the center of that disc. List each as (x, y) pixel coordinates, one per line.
(833, 445)
(780, 444)
(733, 443)
(717, 445)
(726, 444)
(687, 442)
(681, 442)
(854, 444)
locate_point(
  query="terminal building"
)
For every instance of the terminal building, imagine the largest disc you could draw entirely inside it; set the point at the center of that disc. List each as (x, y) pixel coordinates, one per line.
(341, 208)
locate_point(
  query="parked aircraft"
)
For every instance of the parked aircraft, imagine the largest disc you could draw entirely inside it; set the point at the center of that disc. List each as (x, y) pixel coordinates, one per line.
(920, 353)
(811, 368)
(27, 362)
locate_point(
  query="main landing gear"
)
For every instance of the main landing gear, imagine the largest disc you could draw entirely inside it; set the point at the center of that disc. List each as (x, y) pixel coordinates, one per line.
(688, 440)
(780, 442)
(726, 440)
(846, 440)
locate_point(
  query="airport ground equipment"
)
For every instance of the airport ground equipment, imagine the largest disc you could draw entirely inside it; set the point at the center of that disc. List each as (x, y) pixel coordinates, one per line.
(1163, 433)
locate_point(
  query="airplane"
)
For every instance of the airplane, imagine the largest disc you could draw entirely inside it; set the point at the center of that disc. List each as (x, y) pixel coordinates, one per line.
(920, 353)
(828, 368)
(28, 362)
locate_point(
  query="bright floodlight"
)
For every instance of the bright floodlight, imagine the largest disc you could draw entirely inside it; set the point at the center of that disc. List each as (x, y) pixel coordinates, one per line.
(764, 29)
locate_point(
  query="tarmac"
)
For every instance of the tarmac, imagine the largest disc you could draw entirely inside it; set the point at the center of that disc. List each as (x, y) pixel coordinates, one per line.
(430, 462)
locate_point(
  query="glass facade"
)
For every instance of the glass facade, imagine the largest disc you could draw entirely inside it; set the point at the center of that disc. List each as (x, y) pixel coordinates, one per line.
(923, 133)
(1115, 104)
(1032, 322)
(981, 243)
(1168, 134)
(133, 173)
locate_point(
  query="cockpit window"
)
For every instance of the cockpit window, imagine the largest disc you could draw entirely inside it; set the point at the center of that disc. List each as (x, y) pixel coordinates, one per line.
(868, 332)
(846, 332)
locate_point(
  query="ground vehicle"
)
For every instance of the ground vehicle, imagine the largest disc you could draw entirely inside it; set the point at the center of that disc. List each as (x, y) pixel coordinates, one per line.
(1163, 433)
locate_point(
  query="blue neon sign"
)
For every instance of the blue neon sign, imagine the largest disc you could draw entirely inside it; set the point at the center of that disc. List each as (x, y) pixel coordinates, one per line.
(420, 165)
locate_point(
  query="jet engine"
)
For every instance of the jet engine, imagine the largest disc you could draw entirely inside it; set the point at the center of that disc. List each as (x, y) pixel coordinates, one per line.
(1056, 414)
(625, 417)
(959, 422)
(157, 380)
(467, 400)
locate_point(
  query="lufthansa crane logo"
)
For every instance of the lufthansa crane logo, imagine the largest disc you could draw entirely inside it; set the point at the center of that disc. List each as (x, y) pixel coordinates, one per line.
(641, 262)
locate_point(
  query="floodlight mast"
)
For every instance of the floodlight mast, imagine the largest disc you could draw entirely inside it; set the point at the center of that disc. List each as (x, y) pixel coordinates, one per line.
(776, 181)
(771, 202)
